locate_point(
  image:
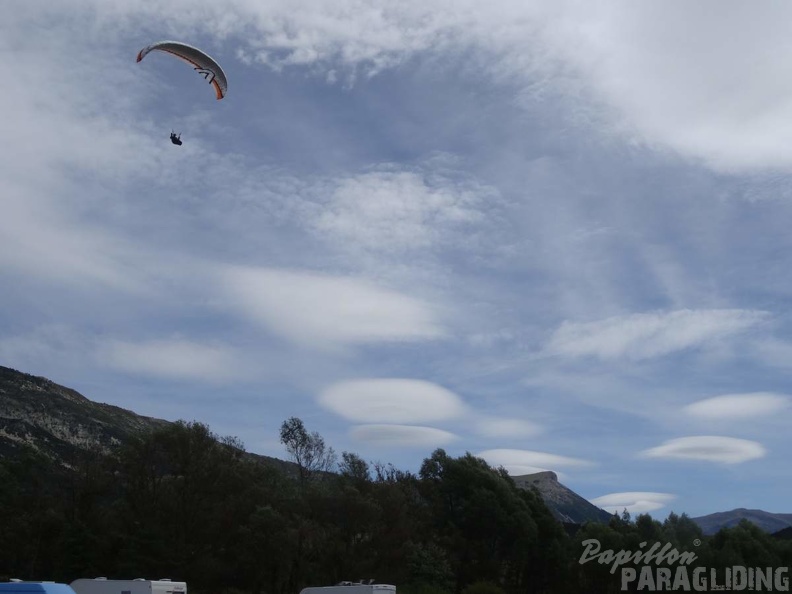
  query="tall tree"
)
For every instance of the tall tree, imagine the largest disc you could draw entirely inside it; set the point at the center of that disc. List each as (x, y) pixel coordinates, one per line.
(308, 450)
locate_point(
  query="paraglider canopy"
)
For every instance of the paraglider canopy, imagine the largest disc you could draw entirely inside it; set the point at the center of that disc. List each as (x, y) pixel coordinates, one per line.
(201, 62)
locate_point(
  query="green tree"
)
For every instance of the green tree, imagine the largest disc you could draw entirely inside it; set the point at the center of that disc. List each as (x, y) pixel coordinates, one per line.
(354, 467)
(681, 531)
(308, 450)
(428, 568)
(489, 528)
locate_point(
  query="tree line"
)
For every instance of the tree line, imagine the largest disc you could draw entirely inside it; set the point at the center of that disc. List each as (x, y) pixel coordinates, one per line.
(184, 503)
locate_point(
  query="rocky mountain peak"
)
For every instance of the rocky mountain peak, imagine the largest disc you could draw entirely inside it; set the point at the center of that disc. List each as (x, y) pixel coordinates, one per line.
(565, 504)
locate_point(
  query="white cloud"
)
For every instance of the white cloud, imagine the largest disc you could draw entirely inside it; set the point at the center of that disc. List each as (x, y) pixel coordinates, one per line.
(35, 241)
(69, 139)
(635, 502)
(710, 448)
(324, 311)
(402, 436)
(648, 335)
(93, 154)
(697, 80)
(519, 462)
(506, 427)
(391, 400)
(523, 469)
(701, 80)
(396, 211)
(739, 406)
(171, 359)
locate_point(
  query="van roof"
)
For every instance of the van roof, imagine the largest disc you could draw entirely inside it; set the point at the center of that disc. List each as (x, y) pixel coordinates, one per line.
(35, 588)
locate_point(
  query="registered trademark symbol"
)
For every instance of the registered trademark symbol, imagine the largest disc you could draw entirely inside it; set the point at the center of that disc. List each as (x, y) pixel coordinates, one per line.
(696, 542)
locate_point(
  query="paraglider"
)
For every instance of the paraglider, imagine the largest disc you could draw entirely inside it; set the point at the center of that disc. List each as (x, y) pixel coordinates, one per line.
(201, 62)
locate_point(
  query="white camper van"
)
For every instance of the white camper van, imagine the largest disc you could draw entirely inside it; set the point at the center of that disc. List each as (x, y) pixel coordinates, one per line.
(138, 586)
(350, 588)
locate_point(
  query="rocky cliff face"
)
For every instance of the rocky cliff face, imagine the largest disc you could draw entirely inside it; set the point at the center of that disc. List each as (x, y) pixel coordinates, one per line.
(59, 422)
(566, 505)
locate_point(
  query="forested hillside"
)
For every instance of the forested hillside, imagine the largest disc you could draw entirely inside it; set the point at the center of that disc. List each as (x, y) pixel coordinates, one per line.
(181, 502)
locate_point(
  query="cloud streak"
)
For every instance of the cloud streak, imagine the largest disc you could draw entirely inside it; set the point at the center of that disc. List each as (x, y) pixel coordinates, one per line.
(411, 191)
(637, 68)
(635, 502)
(173, 359)
(708, 448)
(501, 428)
(650, 335)
(738, 406)
(324, 311)
(519, 462)
(63, 148)
(402, 436)
(391, 400)
(697, 82)
(397, 211)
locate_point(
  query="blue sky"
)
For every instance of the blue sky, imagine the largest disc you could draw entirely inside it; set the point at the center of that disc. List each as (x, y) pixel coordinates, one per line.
(552, 234)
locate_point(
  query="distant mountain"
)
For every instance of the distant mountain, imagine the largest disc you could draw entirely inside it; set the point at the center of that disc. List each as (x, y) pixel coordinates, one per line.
(566, 505)
(769, 522)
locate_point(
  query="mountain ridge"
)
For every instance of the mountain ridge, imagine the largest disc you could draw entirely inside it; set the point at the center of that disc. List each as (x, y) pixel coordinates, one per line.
(768, 521)
(57, 421)
(60, 423)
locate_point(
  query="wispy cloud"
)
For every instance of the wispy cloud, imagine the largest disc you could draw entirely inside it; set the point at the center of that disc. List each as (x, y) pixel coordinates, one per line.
(397, 212)
(645, 64)
(616, 58)
(171, 359)
(738, 406)
(649, 335)
(421, 189)
(635, 502)
(324, 311)
(37, 242)
(391, 400)
(62, 149)
(506, 427)
(708, 448)
(402, 436)
(519, 462)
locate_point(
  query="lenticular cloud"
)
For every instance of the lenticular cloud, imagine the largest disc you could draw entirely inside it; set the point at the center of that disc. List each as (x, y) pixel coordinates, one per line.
(391, 400)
